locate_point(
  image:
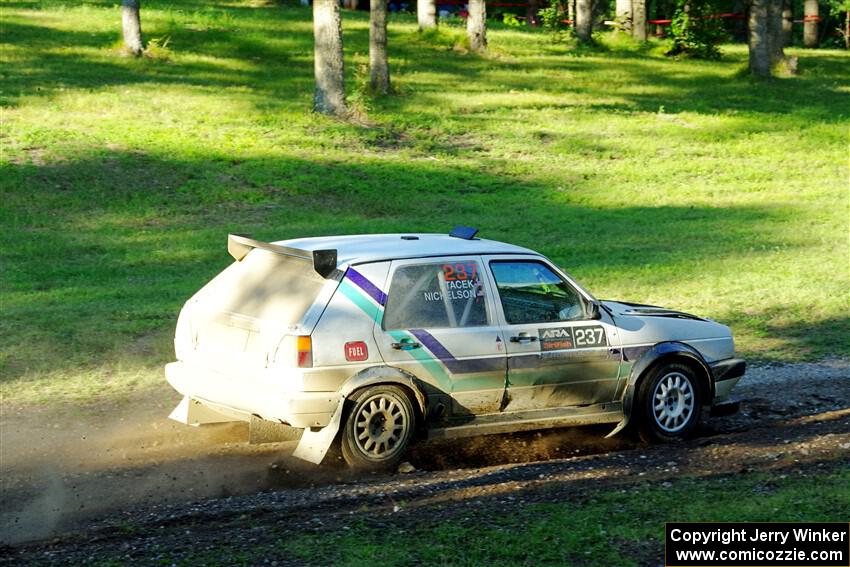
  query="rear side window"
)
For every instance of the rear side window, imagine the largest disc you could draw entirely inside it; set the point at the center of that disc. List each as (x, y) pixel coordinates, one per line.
(435, 295)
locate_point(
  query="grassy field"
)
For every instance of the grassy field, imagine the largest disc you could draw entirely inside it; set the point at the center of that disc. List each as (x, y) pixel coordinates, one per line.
(672, 182)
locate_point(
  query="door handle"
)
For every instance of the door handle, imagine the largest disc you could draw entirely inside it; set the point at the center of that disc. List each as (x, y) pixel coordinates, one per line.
(405, 344)
(523, 338)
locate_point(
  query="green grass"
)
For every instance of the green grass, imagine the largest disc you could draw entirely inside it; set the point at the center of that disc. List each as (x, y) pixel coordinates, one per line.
(678, 183)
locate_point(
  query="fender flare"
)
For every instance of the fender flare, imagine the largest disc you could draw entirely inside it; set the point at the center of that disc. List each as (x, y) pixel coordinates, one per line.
(658, 353)
(314, 445)
(385, 375)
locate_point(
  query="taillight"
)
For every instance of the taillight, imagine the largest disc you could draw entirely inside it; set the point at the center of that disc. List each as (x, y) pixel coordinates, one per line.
(304, 348)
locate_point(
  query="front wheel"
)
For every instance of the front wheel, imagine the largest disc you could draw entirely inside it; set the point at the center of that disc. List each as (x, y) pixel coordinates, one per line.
(378, 428)
(670, 402)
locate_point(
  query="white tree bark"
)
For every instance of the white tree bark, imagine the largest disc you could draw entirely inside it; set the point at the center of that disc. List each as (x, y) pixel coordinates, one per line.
(476, 25)
(426, 14)
(379, 68)
(810, 23)
(584, 20)
(623, 15)
(131, 25)
(639, 19)
(329, 97)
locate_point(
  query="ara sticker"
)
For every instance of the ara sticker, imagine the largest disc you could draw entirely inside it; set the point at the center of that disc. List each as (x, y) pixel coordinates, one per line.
(356, 351)
(561, 338)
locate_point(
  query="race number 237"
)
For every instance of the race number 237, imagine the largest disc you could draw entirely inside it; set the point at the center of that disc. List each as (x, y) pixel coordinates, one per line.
(589, 336)
(460, 271)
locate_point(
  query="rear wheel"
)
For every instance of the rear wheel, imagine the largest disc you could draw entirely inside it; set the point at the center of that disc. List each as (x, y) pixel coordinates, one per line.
(670, 402)
(378, 427)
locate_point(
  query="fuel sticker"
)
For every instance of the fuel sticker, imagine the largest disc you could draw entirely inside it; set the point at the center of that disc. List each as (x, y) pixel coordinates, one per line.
(356, 351)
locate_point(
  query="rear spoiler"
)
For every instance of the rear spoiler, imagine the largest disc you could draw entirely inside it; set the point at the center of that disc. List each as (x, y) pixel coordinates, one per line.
(324, 261)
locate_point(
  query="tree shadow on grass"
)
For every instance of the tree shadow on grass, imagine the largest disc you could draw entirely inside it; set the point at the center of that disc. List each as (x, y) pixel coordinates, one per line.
(810, 340)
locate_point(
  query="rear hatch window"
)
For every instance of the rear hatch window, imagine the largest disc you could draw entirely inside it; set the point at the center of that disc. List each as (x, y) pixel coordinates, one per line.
(265, 286)
(250, 306)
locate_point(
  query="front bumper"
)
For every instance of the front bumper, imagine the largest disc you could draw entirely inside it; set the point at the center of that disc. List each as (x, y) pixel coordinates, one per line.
(726, 374)
(263, 394)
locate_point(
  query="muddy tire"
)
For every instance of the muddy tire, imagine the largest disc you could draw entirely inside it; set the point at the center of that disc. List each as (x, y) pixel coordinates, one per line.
(378, 427)
(670, 403)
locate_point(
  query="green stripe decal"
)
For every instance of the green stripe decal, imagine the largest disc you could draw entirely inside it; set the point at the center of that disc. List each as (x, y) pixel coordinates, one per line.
(373, 311)
(427, 361)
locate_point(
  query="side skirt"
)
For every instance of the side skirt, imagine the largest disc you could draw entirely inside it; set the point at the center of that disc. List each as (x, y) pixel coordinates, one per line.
(491, 424)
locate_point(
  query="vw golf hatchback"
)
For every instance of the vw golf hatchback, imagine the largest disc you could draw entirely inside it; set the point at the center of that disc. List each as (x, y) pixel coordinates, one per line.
(370, 340)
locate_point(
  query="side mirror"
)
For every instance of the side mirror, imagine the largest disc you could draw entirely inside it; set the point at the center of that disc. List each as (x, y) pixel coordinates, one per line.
(594, 310)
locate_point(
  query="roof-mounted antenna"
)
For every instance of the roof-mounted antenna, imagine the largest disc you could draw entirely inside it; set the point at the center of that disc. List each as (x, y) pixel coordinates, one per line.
(465, 232)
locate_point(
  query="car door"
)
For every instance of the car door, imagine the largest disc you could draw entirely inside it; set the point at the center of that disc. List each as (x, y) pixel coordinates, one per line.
(439, 325)
(557, 356)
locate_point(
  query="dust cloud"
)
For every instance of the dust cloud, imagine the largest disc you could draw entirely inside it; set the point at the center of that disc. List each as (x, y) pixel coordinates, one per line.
(65, 469)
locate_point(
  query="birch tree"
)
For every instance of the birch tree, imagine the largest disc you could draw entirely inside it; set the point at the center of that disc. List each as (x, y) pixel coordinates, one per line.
(476, 25)
(131, 25)
(639, 19)
(810, 23)
(426, 14)
(623, 15)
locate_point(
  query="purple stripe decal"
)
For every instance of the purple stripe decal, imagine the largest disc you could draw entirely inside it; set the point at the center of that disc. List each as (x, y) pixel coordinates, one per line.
(454, 365)
(371, 289)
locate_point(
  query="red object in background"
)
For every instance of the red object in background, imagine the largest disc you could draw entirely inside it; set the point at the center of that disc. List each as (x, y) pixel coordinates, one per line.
(356, 351)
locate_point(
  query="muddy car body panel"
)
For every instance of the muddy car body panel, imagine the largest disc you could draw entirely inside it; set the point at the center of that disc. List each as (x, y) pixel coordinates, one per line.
(479, 336)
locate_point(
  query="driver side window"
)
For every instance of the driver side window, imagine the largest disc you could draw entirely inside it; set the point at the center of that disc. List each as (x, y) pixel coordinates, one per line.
(532, 293)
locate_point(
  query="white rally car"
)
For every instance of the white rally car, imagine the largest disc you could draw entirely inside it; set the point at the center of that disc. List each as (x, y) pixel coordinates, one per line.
(368, 340)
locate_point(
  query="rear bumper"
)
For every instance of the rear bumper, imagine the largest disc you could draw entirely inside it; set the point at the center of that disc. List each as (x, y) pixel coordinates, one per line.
(262, 394)
(726, 374)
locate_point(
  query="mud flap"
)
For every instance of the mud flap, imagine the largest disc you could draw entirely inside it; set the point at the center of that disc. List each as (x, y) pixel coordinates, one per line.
(619, 428)
(314, 445)
(193, 412)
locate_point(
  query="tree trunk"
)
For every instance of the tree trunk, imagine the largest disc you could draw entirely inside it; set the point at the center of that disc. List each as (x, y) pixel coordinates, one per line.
(531, 11)
(426, 14)
(774, 32)
(759, 48)
(810, 23)
(639, 19)
(571, 13)
(329, 97)
(739, 28)
(623, 15)
(584, 20)
(476, 25)
(847, 30)
(132, 26)
(787, 23)
(379, 68)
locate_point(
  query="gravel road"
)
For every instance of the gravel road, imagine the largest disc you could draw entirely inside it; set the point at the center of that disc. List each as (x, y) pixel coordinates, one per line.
(73, 471)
